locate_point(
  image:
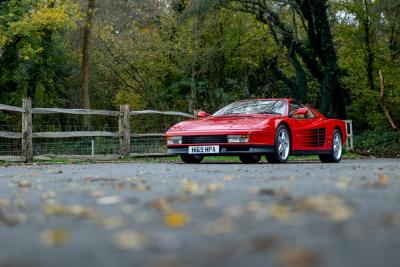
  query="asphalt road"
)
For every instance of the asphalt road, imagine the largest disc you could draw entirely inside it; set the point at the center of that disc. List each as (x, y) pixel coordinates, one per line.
(172, 214)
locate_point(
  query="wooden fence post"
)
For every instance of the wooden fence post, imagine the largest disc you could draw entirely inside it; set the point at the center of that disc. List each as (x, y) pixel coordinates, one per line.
(124, 131)
(27, 146)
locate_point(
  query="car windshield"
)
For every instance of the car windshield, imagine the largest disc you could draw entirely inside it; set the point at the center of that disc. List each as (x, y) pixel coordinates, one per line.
(254, 107)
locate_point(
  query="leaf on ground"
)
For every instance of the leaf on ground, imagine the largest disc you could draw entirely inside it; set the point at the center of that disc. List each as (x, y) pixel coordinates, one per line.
(49, 195)
(274, 191)
(235, 211)
(381, 181)
(176, 219)
(265, 243)
(57, 209)
(161, 204)
(190, 186)
(11, 218)
(112, 222)
(97, 193)
(140, 187)
(255, 207)
(24, 184)
(215, 187)
(167, 262)
(210, 203)
(129, 240)
(55, 237)
(229, 178)
(281, 212)
(4, 202)
(342, 183)
(393, 219)
(333, 207)
(90, 178)
(298, 257)
(120, 186)
(222, 226)
(127, 209)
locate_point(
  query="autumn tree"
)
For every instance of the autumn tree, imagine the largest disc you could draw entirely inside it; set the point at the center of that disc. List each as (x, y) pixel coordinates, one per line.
(30, 46)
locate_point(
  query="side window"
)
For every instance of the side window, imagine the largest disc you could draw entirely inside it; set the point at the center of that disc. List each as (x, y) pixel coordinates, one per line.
(293, 106)
(296, 105)
(310, 114)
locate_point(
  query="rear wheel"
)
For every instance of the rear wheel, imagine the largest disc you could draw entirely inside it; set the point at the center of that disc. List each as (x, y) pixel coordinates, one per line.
(192, 158)
(336, 152)
(250, 159)
(281, 147)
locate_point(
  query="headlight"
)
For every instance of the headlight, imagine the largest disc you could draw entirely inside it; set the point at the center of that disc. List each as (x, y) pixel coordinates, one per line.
(244, 138)
(174, 140)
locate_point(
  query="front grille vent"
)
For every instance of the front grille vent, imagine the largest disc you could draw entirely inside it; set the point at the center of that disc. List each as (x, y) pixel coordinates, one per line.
(204, 139)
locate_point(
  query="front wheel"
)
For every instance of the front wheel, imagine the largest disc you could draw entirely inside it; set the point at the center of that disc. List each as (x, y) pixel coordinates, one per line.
(192, 158)
(250, 159)
(281, 147)
(336, 152)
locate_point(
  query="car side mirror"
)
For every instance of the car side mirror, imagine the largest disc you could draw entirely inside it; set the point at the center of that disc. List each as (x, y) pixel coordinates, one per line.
(202, 114)
(299, 111)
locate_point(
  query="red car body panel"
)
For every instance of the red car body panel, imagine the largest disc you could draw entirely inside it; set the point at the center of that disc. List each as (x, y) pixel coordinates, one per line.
(311, 135)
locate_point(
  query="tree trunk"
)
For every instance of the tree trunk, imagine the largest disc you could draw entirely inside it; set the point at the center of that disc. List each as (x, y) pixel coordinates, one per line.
(85, 58)
(369, 56)
(385, 109)
(193, 88)
(333, 103)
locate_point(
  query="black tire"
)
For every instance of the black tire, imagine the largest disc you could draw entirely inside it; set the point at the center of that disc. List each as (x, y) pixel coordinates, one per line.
(336, 152)
(280, 156)
(250, 159)
(192, 158)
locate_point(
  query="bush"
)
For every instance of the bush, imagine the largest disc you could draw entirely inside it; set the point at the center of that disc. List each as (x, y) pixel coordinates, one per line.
(378, 144)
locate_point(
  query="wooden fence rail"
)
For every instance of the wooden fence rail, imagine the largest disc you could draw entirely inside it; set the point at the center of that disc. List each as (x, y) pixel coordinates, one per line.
(124, 130)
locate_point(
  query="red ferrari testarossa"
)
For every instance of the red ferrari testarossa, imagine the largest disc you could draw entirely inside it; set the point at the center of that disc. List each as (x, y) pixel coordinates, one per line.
(276, 128)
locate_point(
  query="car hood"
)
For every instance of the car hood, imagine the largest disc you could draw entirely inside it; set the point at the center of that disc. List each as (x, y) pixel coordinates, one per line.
(220, 123)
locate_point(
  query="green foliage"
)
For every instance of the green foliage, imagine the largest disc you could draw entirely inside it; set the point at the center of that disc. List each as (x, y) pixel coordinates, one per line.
(378, 144)
(197, 54)
(351, 39)
(32, 48)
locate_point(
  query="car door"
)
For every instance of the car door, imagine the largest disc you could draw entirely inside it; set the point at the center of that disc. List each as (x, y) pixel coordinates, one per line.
(307, 133)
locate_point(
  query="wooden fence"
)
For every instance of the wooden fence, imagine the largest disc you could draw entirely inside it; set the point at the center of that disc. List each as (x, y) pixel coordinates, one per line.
(124, 130)
(349, 130)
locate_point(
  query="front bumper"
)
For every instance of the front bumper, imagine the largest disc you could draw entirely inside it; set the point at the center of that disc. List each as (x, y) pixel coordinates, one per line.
(226, 150)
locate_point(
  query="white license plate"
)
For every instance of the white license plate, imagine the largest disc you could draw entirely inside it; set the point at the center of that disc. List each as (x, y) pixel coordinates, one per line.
(203, 149)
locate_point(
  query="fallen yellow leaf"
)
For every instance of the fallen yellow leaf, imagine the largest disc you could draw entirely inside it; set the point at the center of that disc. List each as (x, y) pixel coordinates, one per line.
(298, 257)
(331, 206)
(176, 219)
(190, 187)
(280, 212)
(55, 237)
(215, 187)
